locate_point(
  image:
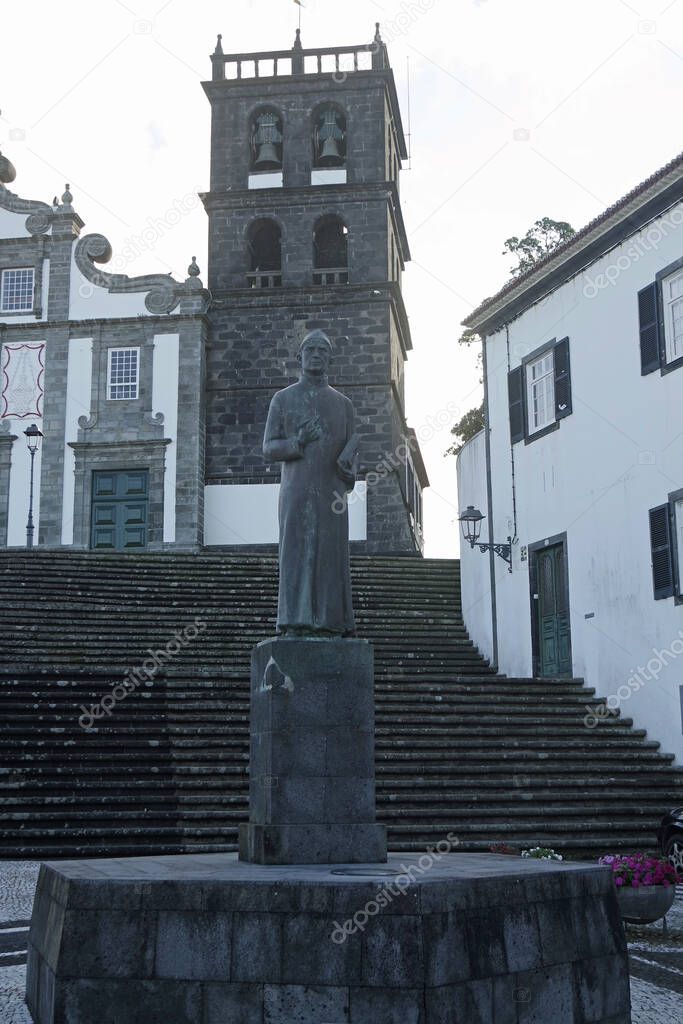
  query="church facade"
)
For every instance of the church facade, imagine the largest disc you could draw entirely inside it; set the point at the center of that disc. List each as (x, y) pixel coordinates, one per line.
(151, 394)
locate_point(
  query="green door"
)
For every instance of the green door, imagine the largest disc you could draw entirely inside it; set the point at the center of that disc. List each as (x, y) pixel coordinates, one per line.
(119, 510)
(554, 637)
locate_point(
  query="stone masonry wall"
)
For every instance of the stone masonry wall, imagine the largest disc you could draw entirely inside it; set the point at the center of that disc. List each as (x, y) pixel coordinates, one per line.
(361, 96)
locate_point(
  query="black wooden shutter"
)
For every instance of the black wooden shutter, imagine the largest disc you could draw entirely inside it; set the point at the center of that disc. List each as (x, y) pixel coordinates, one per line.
(648, 317)
(662, 554)
(563, 381)
(517, 404)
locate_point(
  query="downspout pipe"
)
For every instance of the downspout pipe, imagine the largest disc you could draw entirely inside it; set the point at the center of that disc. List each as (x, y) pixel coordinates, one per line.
(489, 502)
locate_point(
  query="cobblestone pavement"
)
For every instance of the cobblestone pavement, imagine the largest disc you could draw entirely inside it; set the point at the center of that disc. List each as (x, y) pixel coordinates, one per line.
(655, 952)
(17, 884)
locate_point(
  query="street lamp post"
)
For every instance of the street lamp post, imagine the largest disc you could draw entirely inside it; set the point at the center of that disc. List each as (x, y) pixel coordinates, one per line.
(33, 436)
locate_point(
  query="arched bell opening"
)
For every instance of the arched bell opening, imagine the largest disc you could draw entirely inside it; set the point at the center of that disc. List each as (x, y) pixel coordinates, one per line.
(264, 242)
(331, 251)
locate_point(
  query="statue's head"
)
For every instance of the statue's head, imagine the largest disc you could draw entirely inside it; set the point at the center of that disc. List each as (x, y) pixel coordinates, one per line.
(315, 352)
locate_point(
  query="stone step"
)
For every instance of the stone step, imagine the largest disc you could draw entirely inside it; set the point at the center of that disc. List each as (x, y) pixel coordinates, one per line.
(415, 738)
(416, 746)
(457, 744)
(167, 724)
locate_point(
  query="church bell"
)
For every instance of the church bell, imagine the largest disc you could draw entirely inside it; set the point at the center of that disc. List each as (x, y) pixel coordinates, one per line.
(267, 137)
(330, 152)
(330, 138)
(267, 154)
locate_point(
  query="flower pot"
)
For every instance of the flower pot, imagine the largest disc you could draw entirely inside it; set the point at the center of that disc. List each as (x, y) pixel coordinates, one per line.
(645, 904)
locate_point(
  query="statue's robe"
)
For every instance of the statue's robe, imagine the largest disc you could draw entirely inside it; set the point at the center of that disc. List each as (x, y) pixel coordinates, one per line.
(315, 581)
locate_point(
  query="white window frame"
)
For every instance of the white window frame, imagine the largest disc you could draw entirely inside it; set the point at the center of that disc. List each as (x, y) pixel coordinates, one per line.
(132, 381)
(678, 542)
(4, 308)
(670, 304)
(543, 387)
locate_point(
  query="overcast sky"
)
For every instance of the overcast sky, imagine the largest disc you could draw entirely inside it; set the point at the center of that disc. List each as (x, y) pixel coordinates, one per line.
(518, 110)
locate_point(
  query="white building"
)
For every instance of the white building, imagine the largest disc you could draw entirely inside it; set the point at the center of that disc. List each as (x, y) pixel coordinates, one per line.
(581, 464)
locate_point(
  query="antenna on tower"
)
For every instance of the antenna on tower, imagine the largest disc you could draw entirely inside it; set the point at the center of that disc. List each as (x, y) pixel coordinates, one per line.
(409, 135)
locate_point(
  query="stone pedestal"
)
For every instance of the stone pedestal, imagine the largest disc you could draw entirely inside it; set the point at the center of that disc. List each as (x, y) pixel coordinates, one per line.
(206, 939)
(312, 760)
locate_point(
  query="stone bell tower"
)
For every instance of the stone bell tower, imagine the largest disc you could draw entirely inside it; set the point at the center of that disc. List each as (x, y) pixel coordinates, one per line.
(306, 231)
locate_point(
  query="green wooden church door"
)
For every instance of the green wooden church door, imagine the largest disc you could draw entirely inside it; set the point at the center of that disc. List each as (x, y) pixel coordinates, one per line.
(554, 637)
(119, 510)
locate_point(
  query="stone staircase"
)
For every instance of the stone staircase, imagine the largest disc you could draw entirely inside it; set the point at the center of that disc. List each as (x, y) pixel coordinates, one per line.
(459, 748)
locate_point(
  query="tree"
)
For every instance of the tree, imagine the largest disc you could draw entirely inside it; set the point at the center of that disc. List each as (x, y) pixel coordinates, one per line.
(466, 428)
(473, 421)
(541, 238)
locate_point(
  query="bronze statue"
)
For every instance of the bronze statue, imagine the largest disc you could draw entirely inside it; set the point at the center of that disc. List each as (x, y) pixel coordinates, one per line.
(310, 429)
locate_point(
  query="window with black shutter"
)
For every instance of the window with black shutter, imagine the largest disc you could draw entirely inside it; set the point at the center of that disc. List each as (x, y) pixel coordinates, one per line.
(662, 551)
(517, 404)
(563, 383)
(540, 392)
(648, 319)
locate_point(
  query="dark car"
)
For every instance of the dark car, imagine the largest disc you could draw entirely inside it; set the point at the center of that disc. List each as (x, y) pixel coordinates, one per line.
(670, 836)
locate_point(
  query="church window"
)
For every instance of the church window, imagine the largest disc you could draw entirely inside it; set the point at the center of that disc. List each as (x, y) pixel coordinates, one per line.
(123, 373)
(331, 251)
(16, 290)
(265, 255)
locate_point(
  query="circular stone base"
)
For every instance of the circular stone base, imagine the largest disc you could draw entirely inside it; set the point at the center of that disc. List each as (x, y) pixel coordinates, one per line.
(431, 939)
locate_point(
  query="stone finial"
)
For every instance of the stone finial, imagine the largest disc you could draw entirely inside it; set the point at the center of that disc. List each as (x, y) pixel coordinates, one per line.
(194, 298)
(378, 38)
(219, 44)
(7, 171)
(297, 42)
(67, 198)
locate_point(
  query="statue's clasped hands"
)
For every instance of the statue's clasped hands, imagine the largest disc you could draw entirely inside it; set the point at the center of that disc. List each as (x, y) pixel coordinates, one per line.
(309, 431)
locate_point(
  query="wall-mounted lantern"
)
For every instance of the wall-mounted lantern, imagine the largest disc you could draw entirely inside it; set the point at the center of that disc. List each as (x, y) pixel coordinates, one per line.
(470, 521)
